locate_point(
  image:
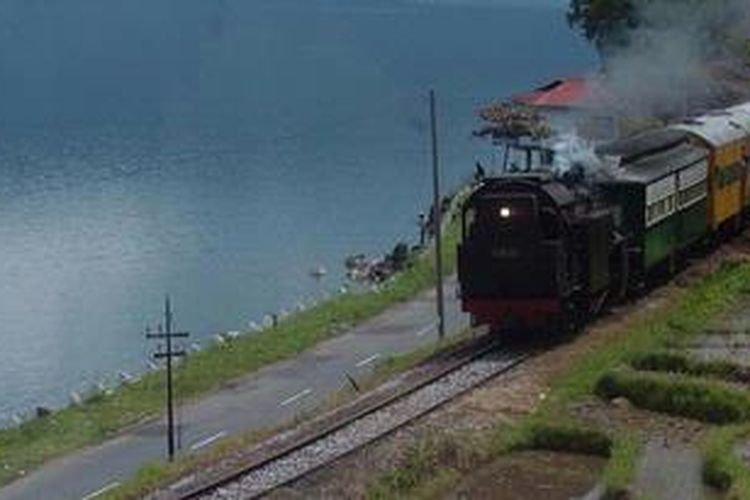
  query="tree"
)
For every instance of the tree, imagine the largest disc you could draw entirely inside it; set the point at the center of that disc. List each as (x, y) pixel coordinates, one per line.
(609, 24)
(606, 23)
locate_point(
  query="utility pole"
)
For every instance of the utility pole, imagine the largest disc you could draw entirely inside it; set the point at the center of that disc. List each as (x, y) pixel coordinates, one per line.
(437, 219)
(168, 354)
(422, 229)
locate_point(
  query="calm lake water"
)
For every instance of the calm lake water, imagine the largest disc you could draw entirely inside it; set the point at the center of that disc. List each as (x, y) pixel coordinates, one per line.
(219, 150)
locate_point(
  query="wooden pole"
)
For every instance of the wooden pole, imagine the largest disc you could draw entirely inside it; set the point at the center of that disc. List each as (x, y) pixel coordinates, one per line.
(437, 207)
(170, 353)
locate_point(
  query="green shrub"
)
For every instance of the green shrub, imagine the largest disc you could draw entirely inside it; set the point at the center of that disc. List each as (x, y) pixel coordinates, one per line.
(681, 363)
(675, 395)
(565, 438)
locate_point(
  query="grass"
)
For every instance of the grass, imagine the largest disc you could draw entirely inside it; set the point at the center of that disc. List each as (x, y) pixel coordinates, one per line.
(428, 466)
(567, 438)
(722, 468)
(622, 449)
(685, 313)
(674, 362)
(621, 468)
(159, 474)
(433, 465)
(699, 399)
(36, 441)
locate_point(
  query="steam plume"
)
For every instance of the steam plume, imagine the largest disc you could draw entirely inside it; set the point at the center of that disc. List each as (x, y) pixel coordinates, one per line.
(686, 57)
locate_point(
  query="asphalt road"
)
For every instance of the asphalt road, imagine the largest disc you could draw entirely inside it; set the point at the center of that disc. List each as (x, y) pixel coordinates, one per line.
(265, 399)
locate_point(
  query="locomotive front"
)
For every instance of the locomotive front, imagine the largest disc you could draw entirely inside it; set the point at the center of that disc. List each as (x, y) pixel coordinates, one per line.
(515, 264)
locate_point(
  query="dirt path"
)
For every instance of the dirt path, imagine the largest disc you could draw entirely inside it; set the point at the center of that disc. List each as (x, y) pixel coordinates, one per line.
(532, 475)
(671, 472)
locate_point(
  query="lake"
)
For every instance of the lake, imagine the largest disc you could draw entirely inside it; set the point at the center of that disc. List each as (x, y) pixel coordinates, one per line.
(219, 150)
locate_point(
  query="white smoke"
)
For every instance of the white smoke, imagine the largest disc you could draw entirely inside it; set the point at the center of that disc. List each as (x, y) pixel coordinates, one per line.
(678, 61)
(576, 159)
(570, 152)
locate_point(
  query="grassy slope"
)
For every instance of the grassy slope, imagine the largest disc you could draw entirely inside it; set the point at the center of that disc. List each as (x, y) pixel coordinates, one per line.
(38, 440)
(685, 314)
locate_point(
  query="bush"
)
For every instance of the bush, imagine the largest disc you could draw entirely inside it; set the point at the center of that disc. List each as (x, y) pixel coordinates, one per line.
(693, 398)
(680, 363)
(565, 438)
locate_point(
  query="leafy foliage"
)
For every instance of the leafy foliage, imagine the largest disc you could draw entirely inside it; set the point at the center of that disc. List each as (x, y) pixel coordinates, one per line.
(564, 438)
(604, 22)
(677, 395)
(609, 24)
(674, 362)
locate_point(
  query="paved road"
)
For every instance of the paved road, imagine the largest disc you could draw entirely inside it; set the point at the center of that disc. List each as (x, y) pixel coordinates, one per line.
(268, 398)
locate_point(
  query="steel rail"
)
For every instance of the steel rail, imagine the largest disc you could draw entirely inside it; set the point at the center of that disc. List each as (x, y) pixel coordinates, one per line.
(236, 475)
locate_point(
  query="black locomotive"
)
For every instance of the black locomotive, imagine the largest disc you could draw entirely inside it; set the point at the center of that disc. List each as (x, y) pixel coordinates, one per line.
(534, 251)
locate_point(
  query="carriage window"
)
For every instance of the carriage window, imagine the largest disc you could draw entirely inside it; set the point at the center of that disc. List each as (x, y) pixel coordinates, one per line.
(692, 193)
(660, 209)
(729, 175)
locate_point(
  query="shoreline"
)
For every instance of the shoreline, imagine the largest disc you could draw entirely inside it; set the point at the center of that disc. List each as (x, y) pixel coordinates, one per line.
(104, 415)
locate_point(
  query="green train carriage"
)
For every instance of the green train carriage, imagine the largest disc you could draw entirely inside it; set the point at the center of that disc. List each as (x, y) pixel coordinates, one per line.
(659, 195)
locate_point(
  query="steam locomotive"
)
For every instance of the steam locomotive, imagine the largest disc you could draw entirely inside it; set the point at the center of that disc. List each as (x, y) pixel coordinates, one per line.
(544, 250)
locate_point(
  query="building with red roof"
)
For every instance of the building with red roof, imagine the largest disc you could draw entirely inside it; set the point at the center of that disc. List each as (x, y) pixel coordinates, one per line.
(576, 103)
(576, 92)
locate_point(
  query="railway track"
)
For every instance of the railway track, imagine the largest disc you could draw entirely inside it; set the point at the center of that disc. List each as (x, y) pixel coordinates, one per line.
(354, 431)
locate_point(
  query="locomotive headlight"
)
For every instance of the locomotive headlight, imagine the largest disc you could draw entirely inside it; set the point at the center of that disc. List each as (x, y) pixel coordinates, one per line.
(504, 212)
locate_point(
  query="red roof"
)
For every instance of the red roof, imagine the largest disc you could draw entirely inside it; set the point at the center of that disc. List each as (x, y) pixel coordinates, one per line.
(563, 93)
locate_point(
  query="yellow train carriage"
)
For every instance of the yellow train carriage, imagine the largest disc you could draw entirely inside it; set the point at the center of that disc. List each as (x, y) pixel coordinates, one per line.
(726, 137)
(741, 114)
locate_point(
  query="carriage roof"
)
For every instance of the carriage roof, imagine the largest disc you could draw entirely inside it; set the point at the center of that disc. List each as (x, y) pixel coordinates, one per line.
(719, 128)
(644, 144)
